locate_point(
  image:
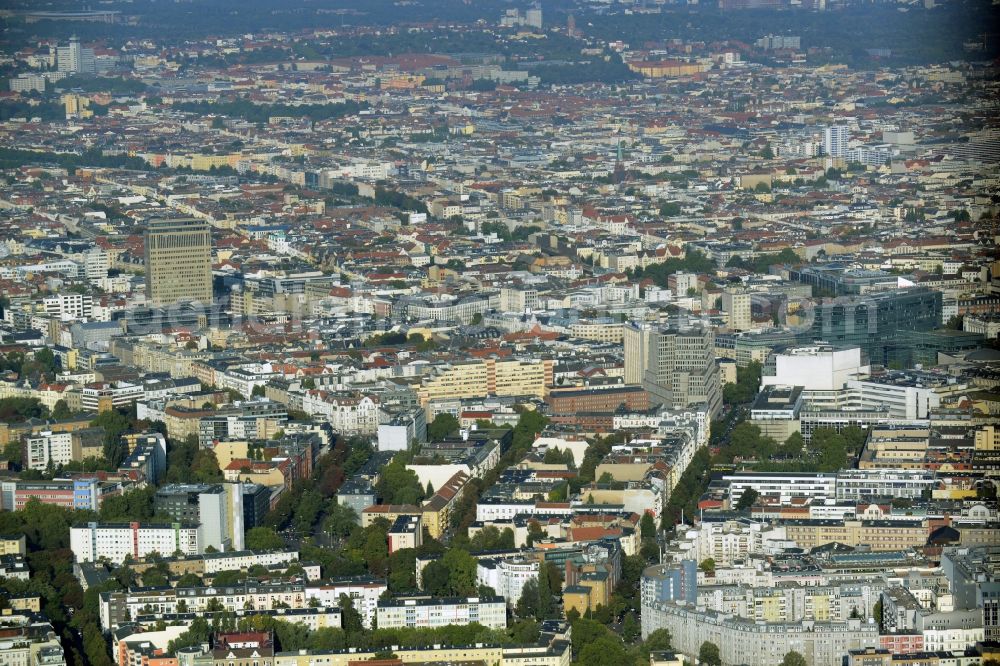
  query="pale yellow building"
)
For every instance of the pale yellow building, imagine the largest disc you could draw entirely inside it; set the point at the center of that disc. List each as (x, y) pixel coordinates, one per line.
(666, 68)
(736, 303)
(76, 106)
(390, 512)
(488, 377)
(727, 371)
(895, 447)
(599, 331)
(30, 603)
(576, 598)
(878, 535)
(988, 438)
(493, 655)
(13, 544)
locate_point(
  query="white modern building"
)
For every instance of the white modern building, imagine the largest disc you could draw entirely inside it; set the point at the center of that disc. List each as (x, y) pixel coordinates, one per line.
(860, 484)
(117, 541)
(397, 432)
(817, 368)
(96, 264)
(874, 156)
(364, 593)
(904, 400)
(68, 306)
(121, 394)
(955, 631)
(430, 612)
(835, 139)
(48, 448)
(75, 59)
(217, 508)
(757, 643)
(506, 577)
(781, 486)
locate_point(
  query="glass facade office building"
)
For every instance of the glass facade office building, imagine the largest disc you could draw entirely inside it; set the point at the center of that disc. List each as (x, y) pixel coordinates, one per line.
(883, 324)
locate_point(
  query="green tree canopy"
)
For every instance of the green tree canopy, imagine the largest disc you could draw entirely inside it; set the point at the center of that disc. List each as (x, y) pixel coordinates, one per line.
(398, 485)
(747, 499)
(442, 426)
(709, 654)
(263, 539)
(794, 658)
(647, 526)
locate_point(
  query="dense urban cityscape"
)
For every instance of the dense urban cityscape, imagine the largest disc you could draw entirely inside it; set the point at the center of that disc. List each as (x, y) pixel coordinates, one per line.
(499, 333)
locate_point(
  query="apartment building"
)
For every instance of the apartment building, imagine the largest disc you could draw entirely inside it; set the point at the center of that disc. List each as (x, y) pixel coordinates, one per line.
(405, 532)
(13, 544)
(435, 514)
(101, 396)
(595, 407)
(748, 641)
(50, 449)
(507, 577)
(878, 535)
(348, 414)
(122, 605)
(241, 560)
(490, 377)
(15, 431)
(736, 305)
(430, 612)
(670, 582)
(895, 447)
(217, 508)
(556, 653)
(363, 591)
(77, 493)
(69, 306)
(252, 419)
(462, 308)
(147, 456)
(116, 541)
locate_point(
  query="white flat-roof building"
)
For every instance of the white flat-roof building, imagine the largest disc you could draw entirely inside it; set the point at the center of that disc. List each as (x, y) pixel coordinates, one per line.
(817, 367)
(428, 612)
(363, 591)
(116, 541)
(782, 486)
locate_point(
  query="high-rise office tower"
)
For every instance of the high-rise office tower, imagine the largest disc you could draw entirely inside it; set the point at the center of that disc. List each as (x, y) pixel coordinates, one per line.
(835, 141)
(635, 340)
(178, 261)
(680, 368)
(533, 17)
(75, 59)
